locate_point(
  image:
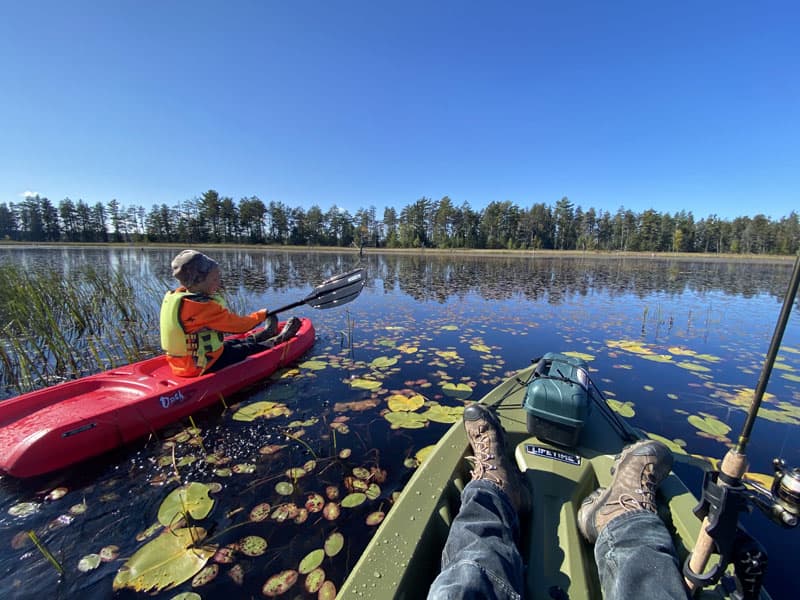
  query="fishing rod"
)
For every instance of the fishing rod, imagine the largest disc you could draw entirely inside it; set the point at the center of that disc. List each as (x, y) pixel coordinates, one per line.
(725, 496)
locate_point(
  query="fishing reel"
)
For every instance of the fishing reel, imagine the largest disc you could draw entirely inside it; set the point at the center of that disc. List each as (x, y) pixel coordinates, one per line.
(781, 503)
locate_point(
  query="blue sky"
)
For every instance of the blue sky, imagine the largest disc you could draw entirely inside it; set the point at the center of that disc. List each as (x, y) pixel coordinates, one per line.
(668, 105)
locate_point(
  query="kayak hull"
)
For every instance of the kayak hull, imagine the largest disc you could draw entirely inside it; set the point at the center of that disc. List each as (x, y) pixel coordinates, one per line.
(52, 428)
(403, 557)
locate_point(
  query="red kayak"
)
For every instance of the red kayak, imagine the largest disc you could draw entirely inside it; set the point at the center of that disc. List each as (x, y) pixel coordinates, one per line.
(58, 426)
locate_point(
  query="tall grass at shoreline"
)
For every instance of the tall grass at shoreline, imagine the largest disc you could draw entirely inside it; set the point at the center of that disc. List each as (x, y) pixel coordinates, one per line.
(53, 329)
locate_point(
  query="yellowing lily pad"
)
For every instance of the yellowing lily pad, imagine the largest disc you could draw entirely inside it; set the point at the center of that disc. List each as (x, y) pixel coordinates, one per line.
(462, 391)
(423, 453)
(313, 365)
(580, 355)
(266, 409)
(483, 348)
(690, 366)
(624, 409)
(280, 583)
(399, 402)
(165, 562)
(364, 384)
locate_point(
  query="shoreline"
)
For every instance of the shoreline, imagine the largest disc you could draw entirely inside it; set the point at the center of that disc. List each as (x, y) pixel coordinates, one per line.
(461, 252)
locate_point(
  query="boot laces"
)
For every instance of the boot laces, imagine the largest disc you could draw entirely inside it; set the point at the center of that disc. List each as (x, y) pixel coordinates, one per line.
(482, 465)
(643, 498)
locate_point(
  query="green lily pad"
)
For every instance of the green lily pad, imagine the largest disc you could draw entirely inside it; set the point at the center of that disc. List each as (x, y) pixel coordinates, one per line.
(314, 581)
(382, 362)
(164, 563)
(311, 561)
(334, 544)
(444, 414)
(405, 420)
(353, 500)
(192, 499)
(709, 424)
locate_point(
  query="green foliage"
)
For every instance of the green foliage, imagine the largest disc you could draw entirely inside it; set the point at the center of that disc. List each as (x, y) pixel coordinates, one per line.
(425, 223)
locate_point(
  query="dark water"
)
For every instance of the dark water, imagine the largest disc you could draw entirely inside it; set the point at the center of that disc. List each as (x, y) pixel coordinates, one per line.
(443, 319)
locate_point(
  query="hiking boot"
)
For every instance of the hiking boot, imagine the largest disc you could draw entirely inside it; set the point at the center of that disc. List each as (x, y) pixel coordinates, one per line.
(291, 327)
(270, 329)
(637, 471)
(490, 463)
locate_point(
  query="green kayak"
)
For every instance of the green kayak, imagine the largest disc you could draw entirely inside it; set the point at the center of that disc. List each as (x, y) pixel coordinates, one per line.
(564, 439)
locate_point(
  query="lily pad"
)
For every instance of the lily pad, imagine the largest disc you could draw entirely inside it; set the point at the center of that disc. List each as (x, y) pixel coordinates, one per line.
(399, 402)
(334, 544)
(311, 561)
(89, 563)
(192, 499)
(444, 414)
(353, 500)
(280, 583)
(313, 365)
(314, 580)
(405, 420)
(709, 424)
(462, 391)
(364, 384)
(382, 362)
(265, 409)
(164, 563)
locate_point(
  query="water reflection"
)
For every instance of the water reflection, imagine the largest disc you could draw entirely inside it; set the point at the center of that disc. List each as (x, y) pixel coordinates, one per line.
(438, 277)
(517, 307)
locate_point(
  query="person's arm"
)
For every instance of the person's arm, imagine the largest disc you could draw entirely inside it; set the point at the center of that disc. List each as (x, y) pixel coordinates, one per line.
(210, 315)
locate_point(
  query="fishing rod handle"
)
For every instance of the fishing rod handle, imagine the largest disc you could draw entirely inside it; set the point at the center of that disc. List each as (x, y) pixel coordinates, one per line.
(734, 466)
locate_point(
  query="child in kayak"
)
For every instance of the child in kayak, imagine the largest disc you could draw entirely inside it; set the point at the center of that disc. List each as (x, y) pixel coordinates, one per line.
(194, 318)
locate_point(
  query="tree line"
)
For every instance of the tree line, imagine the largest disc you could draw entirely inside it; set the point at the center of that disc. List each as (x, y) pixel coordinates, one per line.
(426, 223)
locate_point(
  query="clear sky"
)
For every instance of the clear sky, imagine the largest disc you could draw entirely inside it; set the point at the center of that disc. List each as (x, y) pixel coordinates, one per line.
(672, 105)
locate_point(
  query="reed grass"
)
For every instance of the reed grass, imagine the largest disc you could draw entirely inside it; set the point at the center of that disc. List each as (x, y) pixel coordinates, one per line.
(55, 327)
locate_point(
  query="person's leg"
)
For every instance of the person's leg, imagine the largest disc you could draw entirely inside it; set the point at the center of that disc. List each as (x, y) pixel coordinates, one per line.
(634, 551)
(235, 351)
(480, 557)
(636, 559)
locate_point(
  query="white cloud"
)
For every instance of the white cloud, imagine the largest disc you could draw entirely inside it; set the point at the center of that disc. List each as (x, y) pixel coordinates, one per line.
(29, 194)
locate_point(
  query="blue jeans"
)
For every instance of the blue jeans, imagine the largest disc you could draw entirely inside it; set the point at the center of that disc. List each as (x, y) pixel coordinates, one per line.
(634, 553)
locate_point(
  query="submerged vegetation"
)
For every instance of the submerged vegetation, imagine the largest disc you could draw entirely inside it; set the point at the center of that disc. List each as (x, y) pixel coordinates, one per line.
(56, 328)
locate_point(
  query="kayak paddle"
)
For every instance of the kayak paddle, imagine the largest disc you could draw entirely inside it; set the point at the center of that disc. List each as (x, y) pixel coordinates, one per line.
(333, 292)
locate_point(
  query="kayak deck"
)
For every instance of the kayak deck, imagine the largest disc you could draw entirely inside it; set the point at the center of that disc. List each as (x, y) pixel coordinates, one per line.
(54, 427)
(403, 557)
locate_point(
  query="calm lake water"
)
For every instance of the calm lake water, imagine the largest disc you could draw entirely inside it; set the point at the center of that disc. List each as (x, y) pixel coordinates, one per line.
(676, 343)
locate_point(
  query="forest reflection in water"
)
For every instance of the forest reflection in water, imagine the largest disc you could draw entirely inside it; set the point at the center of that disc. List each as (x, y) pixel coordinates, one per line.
(709, 321)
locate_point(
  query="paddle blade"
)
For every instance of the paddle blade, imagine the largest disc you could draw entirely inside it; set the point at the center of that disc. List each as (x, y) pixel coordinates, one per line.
(337, 290)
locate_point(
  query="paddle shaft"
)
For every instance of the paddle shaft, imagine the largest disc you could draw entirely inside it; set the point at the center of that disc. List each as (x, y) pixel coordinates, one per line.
(332, 292)
(734, 465)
